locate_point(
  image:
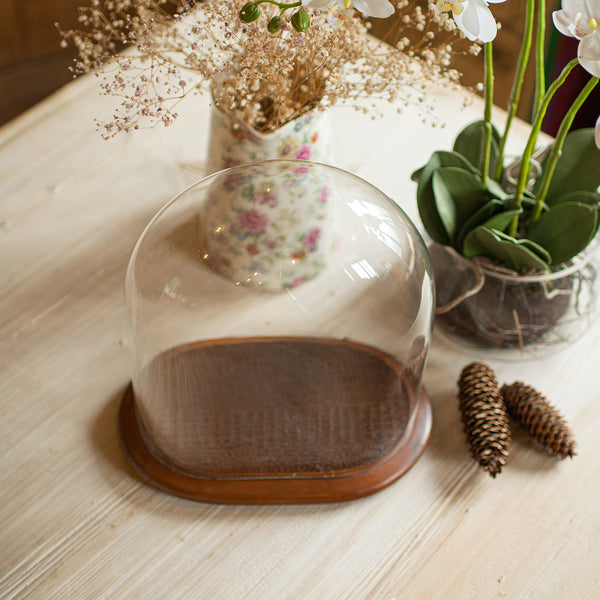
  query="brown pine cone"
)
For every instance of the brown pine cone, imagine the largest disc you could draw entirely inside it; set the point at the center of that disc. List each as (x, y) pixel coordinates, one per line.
(484, 417)
(541, 420)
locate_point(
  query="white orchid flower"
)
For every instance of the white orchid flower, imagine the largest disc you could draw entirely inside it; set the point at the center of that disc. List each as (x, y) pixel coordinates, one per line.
(597, 136)
(336, 15)
(581, 19)
(472, 17)
(370, 8)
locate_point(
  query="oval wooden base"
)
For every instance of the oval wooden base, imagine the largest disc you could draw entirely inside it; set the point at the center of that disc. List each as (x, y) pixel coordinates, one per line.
(332, 487)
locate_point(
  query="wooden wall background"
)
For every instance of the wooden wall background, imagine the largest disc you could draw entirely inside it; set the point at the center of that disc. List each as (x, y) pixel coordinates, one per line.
(32, 64)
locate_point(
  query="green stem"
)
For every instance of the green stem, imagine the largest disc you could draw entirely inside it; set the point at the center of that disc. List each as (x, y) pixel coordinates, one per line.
(529, 147)
(540, 45)
(518, 80)
(563, 130)
(282, 5)
(487, 115)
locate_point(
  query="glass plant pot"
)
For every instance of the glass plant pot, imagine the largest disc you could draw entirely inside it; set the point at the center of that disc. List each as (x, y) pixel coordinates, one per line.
(485, 308)
(252, 393)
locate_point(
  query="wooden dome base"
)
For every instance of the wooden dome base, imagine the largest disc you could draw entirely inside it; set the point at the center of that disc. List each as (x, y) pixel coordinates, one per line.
(355, 440)
(337, 488)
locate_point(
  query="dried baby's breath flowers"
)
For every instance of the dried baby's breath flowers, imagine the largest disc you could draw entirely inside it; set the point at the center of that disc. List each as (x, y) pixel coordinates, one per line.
(265, 79)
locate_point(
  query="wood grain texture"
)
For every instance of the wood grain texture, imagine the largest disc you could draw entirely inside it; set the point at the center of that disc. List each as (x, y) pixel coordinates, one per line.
(76, 520)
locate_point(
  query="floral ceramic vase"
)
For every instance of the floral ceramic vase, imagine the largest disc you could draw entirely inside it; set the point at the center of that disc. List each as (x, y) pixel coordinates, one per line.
(269, 225)
(232, 142)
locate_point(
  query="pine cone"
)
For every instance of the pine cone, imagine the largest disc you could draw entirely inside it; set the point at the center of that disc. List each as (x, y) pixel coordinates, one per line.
(484, 416)
(532, 410)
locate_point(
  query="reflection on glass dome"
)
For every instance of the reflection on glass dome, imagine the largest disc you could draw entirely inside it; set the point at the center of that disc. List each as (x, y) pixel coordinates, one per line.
(280, 314)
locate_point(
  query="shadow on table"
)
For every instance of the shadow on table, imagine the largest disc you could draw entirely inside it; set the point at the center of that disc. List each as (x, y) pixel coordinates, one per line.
(105, 437)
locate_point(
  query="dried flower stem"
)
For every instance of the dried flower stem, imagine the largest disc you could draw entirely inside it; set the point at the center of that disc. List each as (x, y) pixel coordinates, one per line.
(264, 79)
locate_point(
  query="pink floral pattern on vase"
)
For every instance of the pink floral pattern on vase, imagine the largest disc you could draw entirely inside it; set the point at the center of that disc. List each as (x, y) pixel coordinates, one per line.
(270, 228)
(311, 239)
(253, 221)
(303, 153)
(232, 142)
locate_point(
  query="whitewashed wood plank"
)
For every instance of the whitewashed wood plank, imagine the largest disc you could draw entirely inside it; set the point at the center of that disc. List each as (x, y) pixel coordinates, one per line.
(77, 523)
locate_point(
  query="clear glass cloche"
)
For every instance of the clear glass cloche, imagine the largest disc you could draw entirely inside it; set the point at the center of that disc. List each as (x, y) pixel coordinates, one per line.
(280, 314)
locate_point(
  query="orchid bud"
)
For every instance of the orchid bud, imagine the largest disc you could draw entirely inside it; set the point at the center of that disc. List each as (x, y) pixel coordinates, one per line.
(274, 25)
(250, 12)
(300, 20)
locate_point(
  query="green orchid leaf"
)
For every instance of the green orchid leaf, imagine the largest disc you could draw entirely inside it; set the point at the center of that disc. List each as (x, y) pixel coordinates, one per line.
(577, 169)
(458, 194)
(515, 254)
(537, 249)
(416, 175)
(469, 143)
(442, 158)
(479, 217)
(591, 198)
(565, 230)
(502, 220)
(496, 189)
(426, 201)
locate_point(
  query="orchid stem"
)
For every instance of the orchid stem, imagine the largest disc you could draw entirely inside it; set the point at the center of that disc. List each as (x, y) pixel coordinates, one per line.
(282, 5)
(531, 141)
(540, 82)
(563, 130)
(519, 78)
(487, 116)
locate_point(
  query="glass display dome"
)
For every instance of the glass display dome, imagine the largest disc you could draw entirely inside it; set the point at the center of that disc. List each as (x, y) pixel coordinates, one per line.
(280, 314)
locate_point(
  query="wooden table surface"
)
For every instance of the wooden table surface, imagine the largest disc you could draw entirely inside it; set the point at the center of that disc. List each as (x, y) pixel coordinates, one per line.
(76, 522)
